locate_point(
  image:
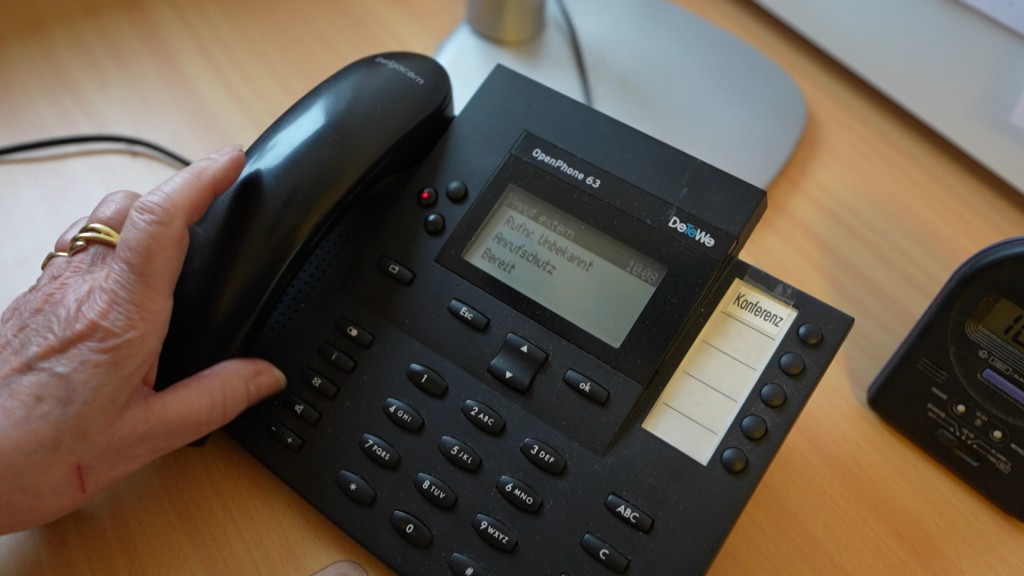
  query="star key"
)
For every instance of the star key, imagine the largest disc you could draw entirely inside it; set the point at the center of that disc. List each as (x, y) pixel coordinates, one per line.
(355, 487)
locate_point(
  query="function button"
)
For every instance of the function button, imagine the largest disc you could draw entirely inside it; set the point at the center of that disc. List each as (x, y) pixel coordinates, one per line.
(319, 383)
(599, 550)
(337, 358)
(395, 270)
(353, 486)
(462, 565)
(427, 196)
(468, 314)
(433, 224)
(402, 414)
(754, 427)
(773, 395)
(792, 364)
(997, 435)
(285, 436)
(379, 451)
(628, 513)
(459, 453)
(810, 334)
(517, 362)
(483, 417)
(495, 533)
(519, 494)
(456, 191)
(947, 439)
(426, 380)
(411, 528)
(435, 491)
(585, 386)
(734, 460)
(303, 410)
(354, 332)
(543, 456)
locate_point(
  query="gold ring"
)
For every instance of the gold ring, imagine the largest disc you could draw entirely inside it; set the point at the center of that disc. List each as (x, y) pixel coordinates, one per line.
(89, 233)
(93, 233)
(51, 256)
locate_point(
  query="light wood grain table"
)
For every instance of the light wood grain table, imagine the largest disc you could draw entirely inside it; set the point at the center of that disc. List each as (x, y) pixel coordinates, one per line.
(871, 215)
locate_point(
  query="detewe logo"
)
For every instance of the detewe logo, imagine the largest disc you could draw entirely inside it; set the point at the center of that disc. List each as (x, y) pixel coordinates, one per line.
(691, 231)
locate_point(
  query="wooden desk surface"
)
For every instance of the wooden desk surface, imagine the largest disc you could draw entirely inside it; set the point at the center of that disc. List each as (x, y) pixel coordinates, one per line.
(872, 215)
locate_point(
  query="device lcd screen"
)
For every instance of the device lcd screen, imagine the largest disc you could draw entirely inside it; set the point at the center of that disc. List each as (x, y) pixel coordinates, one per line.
(564, 264)
(1005, 321)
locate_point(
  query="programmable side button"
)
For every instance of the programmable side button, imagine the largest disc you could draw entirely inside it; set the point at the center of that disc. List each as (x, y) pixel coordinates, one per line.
(792, 364)
(543, 456)
(754, 427)
(379, 451)
(468, 314)
(773, 395)
(459, 453)
(483, 417)
(319, 383)
(599, 550)
(426, 380)
(337, 358)
(353, 486)
(734, 460)
(411, 528)
(436, 491)
(585, 386)
(810, 334)
(628, 513)
(517, 362)
(495, 533)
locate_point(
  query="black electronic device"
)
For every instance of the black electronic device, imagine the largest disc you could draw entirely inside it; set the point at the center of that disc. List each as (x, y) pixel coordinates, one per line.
(956, 384)
(517, 343)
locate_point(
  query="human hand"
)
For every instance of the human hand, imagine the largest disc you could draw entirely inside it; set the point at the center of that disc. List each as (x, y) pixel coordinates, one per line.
(79, 351)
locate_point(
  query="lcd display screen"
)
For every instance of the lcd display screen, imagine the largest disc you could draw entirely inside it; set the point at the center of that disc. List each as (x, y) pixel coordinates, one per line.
(1005, 321)
(578, 272)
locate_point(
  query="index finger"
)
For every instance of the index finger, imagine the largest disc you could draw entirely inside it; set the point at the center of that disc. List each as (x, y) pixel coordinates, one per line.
(155, 236)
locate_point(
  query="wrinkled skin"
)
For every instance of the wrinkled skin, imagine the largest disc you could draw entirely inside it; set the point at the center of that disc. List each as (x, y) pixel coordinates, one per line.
(79, 351)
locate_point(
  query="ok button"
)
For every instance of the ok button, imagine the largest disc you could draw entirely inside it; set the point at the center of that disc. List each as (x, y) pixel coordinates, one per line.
(585, 386)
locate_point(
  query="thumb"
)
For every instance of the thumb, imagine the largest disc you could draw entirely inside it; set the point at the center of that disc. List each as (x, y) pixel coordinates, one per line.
(202, 403)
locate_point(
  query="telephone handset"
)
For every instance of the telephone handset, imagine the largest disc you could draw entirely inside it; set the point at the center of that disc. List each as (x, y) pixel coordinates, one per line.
(348, 134)
(518, 341)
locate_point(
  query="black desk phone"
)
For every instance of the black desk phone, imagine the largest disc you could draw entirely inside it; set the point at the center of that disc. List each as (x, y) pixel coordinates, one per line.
(518, 341)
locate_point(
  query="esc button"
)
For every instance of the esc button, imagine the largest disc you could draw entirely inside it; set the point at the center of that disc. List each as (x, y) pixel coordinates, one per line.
(468, 314)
